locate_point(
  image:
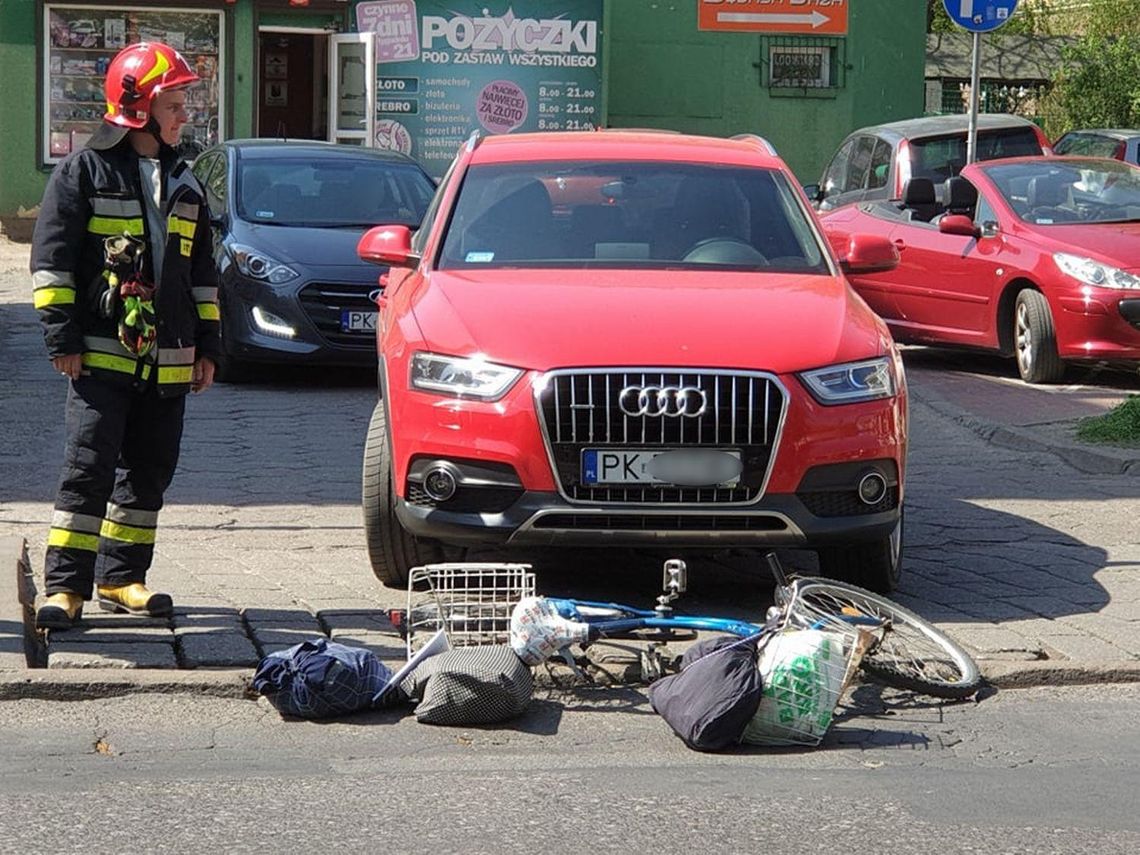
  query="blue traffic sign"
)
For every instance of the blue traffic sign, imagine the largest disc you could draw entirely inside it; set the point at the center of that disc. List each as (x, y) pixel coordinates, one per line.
(980, 16)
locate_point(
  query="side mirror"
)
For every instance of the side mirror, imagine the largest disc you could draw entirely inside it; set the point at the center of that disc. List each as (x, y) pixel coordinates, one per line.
(869, 254)
(958, 224)
(390, 245)
(814, 192)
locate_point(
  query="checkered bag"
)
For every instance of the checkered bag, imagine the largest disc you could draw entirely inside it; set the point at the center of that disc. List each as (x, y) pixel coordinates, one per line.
(470, 685)
(321, 679)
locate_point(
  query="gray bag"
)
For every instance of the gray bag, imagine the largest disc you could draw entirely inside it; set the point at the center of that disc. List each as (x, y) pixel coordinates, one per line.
(470, 685)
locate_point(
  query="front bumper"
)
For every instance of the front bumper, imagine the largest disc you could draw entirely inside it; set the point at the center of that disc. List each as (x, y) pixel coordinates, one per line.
(546, 519)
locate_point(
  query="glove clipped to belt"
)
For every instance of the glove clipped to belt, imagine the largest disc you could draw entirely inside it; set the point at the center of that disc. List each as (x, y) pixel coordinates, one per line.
(128, 296)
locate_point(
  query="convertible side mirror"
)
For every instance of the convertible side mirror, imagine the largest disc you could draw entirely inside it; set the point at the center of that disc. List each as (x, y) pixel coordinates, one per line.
(813, 192)
(958, 224)
(391, 245)
(869, 254)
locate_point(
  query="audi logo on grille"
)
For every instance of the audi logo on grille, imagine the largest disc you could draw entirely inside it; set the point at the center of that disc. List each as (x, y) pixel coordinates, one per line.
(672, 401)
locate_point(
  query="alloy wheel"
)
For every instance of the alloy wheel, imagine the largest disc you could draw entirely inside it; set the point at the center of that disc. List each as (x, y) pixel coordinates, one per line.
(1024, 340)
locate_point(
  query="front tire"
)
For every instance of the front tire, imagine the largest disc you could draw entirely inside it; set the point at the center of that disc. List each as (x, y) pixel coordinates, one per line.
(1035, 339)
(876, 565)
(913, 654)
(392, 551)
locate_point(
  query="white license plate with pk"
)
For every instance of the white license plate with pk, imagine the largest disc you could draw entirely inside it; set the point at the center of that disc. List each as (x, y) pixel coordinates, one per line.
(681, 467)
(352, 320)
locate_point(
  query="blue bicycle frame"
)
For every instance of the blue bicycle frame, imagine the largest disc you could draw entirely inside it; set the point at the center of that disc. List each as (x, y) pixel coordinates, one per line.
(630, 619)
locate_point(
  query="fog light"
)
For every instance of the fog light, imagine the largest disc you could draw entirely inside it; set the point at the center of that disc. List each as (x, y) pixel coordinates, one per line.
(269, 323)
(440, 484)
(872, 488)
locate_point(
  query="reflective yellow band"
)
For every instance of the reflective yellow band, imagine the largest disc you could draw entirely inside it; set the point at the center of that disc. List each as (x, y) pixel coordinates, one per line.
(126, 533)
(185, 245)
(209, 312)
(115, 226)
(179, 226)
(107, 362)
(65, 539)
(175, 374)
(53, 297)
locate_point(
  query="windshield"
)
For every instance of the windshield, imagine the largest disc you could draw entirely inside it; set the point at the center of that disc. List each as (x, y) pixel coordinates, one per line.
(1053, 191)
(939, 158)
(327, 192)
(629, 214)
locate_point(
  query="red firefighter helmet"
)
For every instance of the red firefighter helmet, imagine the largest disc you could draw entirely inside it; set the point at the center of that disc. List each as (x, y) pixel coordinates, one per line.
(136, 75)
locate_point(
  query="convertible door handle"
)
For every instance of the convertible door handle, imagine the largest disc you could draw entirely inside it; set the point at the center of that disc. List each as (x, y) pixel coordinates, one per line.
(900, 244)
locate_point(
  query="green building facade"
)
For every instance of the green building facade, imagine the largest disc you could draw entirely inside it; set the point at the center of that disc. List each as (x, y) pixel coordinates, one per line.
(274, 67)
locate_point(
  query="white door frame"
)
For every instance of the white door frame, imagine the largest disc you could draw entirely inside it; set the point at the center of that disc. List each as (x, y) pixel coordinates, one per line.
(365, 134)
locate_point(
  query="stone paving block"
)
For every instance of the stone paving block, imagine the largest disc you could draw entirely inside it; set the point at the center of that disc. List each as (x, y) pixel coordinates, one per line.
(370, 621)
(294, 617)
(108, 635)
(999, 640)
(318, 605)
(13, 652)
(385, 646)
(145, 655)
(1047, 606)
(1083, 648)
(216, 649)
(264, 636)
(209, 623)
(994, 610)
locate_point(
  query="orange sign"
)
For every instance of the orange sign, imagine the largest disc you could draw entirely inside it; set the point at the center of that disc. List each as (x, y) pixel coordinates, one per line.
(819, 17)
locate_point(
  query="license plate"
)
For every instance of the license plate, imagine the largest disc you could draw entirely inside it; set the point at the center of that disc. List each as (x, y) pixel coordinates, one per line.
(354, 321)
(695, 467)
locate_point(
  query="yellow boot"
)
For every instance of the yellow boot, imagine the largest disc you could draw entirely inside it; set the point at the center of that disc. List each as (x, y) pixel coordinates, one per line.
(60, 611)
(135, 598)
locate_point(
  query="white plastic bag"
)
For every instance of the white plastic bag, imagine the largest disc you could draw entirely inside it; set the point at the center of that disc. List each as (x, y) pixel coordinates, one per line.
(804, 673)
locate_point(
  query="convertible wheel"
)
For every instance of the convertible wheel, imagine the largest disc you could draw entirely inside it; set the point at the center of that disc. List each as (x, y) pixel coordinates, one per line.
(1036, 339)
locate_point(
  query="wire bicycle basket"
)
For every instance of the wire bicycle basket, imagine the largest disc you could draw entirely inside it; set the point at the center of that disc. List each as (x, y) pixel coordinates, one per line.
(470, 601)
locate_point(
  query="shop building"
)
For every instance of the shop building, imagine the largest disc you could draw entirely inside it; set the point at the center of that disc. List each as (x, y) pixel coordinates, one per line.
(419, 75)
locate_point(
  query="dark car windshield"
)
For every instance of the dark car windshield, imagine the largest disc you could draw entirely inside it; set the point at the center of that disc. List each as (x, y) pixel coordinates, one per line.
(1054, 191)
(328, 192)
(939, 158)
(629, 214)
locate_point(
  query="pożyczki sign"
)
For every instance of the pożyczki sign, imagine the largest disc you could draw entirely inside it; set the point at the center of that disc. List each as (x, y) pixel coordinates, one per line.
(445, 68)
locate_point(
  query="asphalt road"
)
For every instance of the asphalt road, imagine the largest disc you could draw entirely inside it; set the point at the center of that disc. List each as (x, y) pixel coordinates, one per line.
(1051, 770)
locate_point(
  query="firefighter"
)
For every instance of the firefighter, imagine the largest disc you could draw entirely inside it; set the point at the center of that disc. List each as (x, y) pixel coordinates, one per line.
(125, 284)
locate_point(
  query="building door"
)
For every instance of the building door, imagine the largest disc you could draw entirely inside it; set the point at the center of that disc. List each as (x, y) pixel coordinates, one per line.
(292, 86)
(352, 89)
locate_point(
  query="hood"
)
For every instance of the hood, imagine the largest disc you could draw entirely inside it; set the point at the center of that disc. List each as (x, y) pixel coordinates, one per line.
(1117, 244)
(299, 245)
(544, 319)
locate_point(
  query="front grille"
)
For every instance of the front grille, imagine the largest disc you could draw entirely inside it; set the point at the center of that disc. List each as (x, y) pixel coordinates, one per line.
(580, 410)
(660, 523)
(846, 503)
(323, 303)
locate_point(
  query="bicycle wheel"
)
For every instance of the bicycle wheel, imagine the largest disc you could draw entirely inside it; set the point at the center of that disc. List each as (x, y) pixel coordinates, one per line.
(913, 654)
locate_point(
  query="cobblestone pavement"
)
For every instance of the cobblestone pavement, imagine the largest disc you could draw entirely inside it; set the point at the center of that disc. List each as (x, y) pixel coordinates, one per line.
(1032, 563)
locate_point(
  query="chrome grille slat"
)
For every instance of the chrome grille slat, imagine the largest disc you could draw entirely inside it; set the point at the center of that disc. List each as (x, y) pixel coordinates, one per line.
(732, 398)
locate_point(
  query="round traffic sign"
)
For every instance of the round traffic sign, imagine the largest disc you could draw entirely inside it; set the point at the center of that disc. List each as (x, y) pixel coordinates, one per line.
(979, 16)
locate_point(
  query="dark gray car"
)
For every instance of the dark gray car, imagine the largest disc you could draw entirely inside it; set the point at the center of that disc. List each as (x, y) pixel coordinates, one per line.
(287, 216)
(876, 162)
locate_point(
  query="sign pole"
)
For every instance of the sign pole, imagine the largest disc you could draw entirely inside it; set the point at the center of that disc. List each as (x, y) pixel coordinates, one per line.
(975, 84)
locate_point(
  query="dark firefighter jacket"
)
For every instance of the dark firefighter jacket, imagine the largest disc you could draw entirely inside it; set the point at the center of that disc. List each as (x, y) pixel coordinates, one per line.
(94, 194)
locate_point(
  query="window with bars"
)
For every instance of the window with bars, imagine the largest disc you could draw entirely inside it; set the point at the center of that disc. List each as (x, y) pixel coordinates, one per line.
(798, 62)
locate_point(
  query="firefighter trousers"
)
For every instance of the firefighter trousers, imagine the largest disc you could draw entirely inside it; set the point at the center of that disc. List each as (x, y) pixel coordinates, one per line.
(121, 453)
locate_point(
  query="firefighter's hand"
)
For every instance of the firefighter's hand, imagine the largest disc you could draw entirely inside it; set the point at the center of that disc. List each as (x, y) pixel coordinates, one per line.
(69, 366)
(203, 377)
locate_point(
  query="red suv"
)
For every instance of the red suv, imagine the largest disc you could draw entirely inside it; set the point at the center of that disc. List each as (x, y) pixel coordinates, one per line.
(630, 338)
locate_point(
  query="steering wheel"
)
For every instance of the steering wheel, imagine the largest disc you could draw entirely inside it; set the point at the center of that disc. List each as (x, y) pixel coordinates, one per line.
(724, 250)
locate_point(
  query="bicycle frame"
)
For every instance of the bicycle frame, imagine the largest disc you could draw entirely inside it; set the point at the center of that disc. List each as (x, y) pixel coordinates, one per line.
(615, 618)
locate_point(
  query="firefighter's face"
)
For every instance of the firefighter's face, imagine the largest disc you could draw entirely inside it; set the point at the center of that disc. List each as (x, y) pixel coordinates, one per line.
(169, 110)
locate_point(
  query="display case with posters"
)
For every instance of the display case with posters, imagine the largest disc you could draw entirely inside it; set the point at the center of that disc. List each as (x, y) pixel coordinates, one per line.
(81, 41)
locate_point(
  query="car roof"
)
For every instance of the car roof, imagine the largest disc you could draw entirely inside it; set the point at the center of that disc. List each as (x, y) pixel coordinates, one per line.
(650, 145)
(267, 148)
(936, 126)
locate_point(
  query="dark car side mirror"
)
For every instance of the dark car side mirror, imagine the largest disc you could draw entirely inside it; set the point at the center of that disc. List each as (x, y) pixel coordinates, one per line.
(390, 245)
(813, 192)
(869, 254)
(958, 224)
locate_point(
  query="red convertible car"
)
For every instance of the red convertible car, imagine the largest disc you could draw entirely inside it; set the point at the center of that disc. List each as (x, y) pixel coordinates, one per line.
(1036, 258)
(630, 338)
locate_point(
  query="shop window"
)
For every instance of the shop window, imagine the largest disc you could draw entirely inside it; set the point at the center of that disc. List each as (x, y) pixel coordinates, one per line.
(81, 41)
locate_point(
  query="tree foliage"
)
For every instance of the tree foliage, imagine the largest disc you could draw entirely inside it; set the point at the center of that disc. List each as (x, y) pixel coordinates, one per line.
(1099, 84)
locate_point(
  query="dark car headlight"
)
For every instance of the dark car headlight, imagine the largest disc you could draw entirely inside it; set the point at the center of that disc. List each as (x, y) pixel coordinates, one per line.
(257, 265)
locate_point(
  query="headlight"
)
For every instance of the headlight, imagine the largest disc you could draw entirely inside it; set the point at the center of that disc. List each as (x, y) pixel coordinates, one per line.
(1094, 273)
(462, 376)
(852, 382)
(258, 265)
